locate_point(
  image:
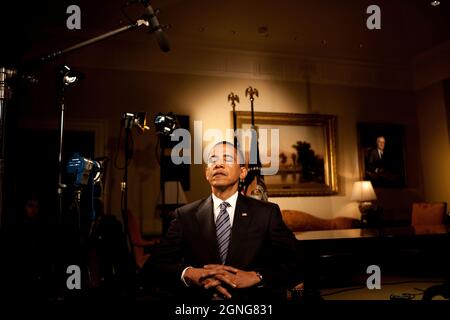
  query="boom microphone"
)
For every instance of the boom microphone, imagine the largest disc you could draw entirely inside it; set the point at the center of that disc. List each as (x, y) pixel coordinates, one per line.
(156, 28)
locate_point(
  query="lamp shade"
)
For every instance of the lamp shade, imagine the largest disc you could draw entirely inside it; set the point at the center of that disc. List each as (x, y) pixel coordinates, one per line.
(363, 191)
(174, 193)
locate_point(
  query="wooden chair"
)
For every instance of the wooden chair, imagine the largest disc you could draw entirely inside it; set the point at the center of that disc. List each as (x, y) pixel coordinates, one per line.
(423, 215)
(139, 244)
(428, 213)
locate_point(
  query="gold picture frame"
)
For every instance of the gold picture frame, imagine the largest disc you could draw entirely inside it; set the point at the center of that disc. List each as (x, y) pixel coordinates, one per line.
(390, 171)
(308, 163)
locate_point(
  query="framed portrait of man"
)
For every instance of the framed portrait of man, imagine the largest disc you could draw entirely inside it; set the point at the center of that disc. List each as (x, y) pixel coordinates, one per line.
(381, 151)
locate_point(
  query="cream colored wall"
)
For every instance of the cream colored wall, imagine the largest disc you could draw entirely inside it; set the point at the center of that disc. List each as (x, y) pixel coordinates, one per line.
(434, 142)
(205, 98)
(430, 69)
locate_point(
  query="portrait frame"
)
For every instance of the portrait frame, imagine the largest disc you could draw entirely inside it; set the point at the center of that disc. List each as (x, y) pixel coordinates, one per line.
(395, 160)
(290, 180)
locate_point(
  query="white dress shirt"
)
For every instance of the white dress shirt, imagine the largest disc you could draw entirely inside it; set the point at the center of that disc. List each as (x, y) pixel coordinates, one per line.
(231, 200)
(216, 206)
(380, 153)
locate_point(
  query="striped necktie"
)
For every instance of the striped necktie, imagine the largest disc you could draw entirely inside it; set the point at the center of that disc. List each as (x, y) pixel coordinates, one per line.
(223, 231)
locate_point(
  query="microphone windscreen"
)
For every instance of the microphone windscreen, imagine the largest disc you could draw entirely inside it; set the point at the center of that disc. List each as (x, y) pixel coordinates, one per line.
(162, 40)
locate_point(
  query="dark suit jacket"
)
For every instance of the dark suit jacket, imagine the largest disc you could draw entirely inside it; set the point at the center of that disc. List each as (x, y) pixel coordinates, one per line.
(260, 241)
(374, 161)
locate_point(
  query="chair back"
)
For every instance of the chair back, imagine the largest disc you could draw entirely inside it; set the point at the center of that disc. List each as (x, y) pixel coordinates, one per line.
(138, 243)
(428, 213)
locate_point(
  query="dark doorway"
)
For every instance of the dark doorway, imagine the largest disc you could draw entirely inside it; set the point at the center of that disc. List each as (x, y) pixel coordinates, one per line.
(37, 162)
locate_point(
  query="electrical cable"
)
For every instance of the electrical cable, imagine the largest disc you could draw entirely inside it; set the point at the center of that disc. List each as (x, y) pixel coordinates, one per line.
(116, 156)
(178, 192)
(92, 202)
(128, 153)
(343, 290)
(384, 284)
(131, 148)
(157, 150)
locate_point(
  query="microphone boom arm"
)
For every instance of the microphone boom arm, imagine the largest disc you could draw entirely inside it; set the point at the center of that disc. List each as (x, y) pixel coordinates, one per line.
(86, 43)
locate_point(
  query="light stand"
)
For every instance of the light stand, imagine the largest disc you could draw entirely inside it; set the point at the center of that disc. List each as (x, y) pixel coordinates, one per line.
(129, 121)
(162, 187)
(128, 124)
(5, 96)
(165, 125)
(67, 78)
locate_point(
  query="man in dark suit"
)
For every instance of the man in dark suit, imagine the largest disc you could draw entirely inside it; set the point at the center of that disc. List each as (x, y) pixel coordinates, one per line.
(375, 160)
(227, 246)
(381, 170)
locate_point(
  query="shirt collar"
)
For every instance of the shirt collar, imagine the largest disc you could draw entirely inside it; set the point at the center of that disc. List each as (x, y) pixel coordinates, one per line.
(231, 200)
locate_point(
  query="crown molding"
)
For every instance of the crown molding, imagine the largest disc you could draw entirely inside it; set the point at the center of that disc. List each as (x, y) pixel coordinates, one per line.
(134, 54)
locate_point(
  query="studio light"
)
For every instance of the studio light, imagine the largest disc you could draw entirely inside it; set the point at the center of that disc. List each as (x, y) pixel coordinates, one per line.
(85, 171)
(166, 124)
(435, 3)
(70, 76)
(138, 119)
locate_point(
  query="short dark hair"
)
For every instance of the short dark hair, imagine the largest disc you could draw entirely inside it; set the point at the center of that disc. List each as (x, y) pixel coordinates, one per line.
(235, 146)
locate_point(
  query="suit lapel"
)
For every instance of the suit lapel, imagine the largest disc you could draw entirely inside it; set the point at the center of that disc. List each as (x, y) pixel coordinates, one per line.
(205, 218)
(242, 219)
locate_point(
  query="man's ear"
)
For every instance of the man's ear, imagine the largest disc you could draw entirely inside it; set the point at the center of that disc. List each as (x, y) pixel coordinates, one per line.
(243, 173)
(206, 172)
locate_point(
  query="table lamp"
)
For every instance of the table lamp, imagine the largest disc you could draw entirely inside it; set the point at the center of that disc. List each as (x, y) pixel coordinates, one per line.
(363, 193)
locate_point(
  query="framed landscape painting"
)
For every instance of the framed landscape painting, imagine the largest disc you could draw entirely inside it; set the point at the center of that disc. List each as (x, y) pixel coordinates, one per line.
(307, 152)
